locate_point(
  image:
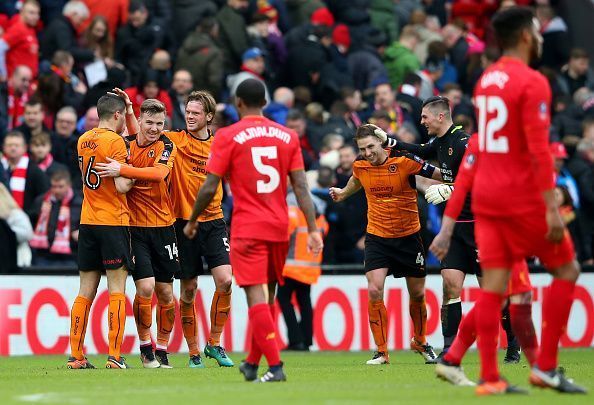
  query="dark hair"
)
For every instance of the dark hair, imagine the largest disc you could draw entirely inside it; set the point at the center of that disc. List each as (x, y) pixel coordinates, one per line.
(108, 104)
(151, 107)
(252, 93)
(42, 138)
(438, 102)
(294, 115)
(412, 79)
(61, 174)
(33, 102)
(381, 115)
(364, 131)
(15, 134)
(61, 57)
(136, 5)
(451, 86)
(351, 146)
(347, 91)
(509, 24)
(578, 53)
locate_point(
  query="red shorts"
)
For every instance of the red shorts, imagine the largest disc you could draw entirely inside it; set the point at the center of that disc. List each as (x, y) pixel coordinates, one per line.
(519, 281)
(504, 241)
(257, 261)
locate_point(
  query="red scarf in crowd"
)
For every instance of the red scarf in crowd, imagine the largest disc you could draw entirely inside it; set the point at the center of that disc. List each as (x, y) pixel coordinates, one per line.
(16, 108)
(18, 179)
(46, 162)
(61, 243)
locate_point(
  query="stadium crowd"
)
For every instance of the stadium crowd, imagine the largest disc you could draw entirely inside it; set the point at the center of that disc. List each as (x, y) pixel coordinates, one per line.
(328, 66)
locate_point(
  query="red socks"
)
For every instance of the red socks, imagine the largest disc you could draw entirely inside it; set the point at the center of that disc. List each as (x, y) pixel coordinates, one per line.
(488, 309)
(521, 322)
(555, 313)
(263, 336)
(464, 339)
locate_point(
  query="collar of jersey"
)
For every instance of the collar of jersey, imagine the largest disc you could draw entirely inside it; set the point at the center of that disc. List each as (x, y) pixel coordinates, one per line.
(208, 130)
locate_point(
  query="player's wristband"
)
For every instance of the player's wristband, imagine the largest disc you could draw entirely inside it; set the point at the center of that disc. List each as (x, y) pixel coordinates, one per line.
(427, 170)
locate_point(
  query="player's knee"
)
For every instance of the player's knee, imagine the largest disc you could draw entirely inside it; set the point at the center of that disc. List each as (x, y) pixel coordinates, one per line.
(417, 295)
(188, 290)
(569, 271)
(164, 295)
(375, 292)
(145, 290)
(88, 293)
(224, 284)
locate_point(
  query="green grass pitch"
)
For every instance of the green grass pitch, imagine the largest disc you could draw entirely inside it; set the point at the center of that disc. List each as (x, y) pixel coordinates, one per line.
(328, 378)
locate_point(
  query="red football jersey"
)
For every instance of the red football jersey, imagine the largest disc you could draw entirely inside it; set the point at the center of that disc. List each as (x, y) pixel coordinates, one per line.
(514, 164)
(256, 155)
(24, 47)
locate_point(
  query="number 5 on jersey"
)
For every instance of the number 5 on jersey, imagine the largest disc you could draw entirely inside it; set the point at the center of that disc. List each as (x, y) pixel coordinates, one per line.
(488, 128)
(270, 152)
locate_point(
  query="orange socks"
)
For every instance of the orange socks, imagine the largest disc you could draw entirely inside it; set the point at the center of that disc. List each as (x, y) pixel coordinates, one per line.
(79, 315)
(418, 314)
(165, 320)
(378, 322)
(116, 321)
(219, 313)
(143, 315)
(189, 325)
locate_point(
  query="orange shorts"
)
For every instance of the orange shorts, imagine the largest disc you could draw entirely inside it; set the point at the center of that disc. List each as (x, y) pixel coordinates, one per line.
(504, 241)
(257, 261)
(519, 281)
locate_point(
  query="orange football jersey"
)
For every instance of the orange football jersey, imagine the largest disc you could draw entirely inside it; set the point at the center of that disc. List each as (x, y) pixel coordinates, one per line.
(150, 202)
(189, 173)
(102, 204)
(392, 210)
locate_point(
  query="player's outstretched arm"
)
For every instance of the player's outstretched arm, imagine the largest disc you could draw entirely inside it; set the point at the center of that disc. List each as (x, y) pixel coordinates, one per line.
(341, 194)
(115, 169)
(205, 195)
(299, 183)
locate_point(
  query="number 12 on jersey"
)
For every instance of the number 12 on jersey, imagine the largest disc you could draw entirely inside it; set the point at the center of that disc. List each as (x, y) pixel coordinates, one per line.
(488, 128)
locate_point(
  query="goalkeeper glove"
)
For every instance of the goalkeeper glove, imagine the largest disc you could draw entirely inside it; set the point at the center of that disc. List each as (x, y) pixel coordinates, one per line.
(383, 136)
(438, 193)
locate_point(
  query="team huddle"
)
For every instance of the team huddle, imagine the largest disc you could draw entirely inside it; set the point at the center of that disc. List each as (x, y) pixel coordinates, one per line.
(152, 207)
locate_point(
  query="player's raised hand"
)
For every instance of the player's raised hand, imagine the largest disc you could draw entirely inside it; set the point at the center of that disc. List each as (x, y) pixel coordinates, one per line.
(556, 227)
(336, 194)
(110, 169)
(121, 93)
(191, 229)
(438, 193)
(315, 243)
(380, 133)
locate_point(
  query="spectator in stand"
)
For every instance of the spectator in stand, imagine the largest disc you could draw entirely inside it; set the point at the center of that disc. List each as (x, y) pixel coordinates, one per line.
(459, 103)
(278, 109)
(148, 87)
(407, 98)
(306, 58)
(555, 48)
(89, 121)
(339, 50)
(138, 39)
(56, 215)
(262, 35)
(188, 14)
(19, 44)
(432, 72)
(581, 167)
(400, 59)
(455, 41)
(347, 236)
(302, 270)
(385, 100)
(51, 9)
(15, 233)
(160, 12)
(296, 121)
(114, 11)
(98, 40)
(252, 67)
(577, 73)
(180, 89)
(233, 38)
(116, 77)
(382, 119)
(62, 34)
(25, 179)
(161, 63)
(364, 60)
(59, 87)
(383, 17)
(15, 95)
(33, 120)
(428, 29)
(354, 102)
(40, 151)
(202, 58)
(65, 142)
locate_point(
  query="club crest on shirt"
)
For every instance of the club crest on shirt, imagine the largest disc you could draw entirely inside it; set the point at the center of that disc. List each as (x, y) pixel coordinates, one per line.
(392, 168)
(151, 153)
(165, 155)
